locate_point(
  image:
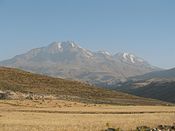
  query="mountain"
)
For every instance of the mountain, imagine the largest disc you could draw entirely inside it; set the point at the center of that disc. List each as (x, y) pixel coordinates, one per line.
(165, 74)
(24, 82)
(161, 89)
(69, 60)
(157, 85)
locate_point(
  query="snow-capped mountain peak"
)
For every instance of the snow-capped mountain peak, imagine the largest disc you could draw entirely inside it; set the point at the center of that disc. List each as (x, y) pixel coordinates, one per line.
(128, 57)
(69, 60)
(69, 48)
(69, 44)
(62, 45)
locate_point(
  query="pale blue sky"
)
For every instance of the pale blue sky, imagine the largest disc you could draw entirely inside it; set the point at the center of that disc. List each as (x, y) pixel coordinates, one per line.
(143, 27)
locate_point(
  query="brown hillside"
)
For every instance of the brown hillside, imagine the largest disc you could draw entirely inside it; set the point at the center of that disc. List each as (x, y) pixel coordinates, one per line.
(21, 81)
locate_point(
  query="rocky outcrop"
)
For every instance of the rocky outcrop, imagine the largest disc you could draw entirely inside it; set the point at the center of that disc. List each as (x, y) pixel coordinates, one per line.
(11, 95)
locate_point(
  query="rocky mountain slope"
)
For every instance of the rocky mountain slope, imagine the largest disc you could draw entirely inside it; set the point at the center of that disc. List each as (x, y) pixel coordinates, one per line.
(161, 89)
(25, 83)
(158, 85)
(165, 74)
(70, 61)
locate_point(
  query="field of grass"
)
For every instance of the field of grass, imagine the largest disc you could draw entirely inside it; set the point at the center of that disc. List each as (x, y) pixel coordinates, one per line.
(77, 107)
(59, 115)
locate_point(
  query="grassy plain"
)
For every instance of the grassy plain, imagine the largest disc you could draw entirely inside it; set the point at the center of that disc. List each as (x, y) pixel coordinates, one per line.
(59, 115)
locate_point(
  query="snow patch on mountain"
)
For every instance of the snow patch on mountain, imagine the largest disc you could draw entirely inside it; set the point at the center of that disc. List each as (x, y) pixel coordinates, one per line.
(129, 57)
(125, 55)
(105, 53)
(88, 53)
(132, 58)
(59, 45)
(73, 45)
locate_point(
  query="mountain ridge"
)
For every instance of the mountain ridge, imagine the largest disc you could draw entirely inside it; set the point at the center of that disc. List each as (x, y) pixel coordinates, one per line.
(69, 60)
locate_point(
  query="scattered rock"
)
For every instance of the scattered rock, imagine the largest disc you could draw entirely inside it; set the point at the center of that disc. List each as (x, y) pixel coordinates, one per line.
(18, 95)
(2, 95)
(166, 127)
(9, 95)
(113, 129)
(160, 127)
(110, 129)
(143, 128)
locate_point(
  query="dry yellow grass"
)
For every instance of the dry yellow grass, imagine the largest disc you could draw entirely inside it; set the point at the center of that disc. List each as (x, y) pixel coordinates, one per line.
(43, 116)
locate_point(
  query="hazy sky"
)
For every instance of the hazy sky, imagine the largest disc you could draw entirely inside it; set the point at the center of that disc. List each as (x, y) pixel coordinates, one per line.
(143, 27)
